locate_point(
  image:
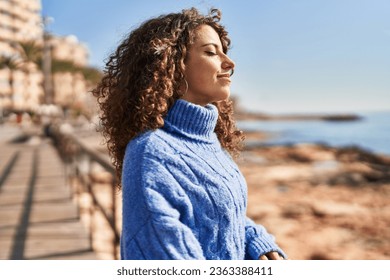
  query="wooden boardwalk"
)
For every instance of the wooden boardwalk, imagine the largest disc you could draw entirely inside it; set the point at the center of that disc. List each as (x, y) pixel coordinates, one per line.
(38, 219)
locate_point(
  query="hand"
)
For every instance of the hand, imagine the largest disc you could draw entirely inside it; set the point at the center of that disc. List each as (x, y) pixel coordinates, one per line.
(271, 256)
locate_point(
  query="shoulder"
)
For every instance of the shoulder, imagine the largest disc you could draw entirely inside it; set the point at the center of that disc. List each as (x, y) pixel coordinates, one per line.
(151, 151)
(152, 144)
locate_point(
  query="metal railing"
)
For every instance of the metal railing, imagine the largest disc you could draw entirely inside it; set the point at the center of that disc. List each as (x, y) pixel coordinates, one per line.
(92, 178)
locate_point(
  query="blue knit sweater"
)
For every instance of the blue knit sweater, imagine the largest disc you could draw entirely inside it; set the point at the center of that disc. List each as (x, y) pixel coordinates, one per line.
(184, 197)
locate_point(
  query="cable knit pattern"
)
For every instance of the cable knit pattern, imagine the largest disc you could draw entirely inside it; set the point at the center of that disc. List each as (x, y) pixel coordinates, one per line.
(183, 195)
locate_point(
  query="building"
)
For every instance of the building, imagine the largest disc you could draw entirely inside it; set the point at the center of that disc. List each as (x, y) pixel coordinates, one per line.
(69, 48)
(69, 84)
(20, 82)
(20, 20)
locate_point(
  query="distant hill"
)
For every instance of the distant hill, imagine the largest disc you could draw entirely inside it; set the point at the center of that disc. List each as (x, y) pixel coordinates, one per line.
(242, 115)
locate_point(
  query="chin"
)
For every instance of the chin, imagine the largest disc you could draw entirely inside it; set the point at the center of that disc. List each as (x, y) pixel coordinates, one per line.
(223, 95)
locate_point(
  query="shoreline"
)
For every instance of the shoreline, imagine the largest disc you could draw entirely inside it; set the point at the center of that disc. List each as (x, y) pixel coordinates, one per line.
(250, 144)
(370, 134)
(252, 116)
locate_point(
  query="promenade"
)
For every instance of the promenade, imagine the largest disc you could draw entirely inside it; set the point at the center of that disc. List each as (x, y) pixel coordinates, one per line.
(38, 219)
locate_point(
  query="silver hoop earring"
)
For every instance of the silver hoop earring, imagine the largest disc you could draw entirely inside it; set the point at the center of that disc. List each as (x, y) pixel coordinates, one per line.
(231, 72)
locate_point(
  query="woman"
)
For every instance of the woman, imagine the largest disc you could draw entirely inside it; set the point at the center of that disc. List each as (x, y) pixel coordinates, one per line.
(168, 124)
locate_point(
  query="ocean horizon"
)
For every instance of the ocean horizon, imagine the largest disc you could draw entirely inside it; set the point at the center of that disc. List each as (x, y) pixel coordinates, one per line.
(371, 132)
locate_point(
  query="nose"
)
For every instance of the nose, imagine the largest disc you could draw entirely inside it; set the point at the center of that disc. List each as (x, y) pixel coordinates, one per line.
(228, 63)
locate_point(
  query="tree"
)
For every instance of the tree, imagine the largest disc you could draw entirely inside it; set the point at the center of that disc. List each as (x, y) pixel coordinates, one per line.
(30, 51)
(92, 75)
(12, 64)
(61, 66)
(31, 55)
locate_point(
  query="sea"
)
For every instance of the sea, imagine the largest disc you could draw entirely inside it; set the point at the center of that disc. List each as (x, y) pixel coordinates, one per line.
(371, 132)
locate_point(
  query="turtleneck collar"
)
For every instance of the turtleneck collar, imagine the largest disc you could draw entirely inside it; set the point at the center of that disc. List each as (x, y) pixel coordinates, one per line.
(192, 120)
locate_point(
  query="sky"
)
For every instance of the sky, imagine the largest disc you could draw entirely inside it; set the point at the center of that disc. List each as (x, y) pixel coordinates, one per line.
(291, 56)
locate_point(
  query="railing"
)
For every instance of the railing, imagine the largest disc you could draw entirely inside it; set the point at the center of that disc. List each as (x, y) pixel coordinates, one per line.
(92, 178)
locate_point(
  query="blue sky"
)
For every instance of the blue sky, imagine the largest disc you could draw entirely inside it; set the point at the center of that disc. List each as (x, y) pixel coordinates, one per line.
(306, 56)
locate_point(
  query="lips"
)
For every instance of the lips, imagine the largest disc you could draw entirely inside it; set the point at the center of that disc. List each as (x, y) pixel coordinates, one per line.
(224, 76)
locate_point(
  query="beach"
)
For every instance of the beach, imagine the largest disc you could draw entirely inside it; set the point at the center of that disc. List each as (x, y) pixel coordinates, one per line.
(321, 202)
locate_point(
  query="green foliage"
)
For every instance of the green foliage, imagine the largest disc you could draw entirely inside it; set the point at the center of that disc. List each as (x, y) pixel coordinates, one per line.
(91, 74)
(9, 62)
(60, 66)
(30, 51)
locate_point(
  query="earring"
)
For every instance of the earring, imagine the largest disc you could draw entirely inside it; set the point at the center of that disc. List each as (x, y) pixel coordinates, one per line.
(186, 87)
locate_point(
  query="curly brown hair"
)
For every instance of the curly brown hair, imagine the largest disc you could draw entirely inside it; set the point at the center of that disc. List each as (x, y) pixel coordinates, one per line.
(143, 77)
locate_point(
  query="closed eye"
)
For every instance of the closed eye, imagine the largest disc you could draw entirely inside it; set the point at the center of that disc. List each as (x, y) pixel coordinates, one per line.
(210, 53)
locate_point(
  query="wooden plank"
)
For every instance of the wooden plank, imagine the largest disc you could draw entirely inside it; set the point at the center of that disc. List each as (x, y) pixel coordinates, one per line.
(53, 211)
(7, 232)
(51, 194)
(50, 229)
(70, 229)
(37, 247)
(9, 216)
(11, 198)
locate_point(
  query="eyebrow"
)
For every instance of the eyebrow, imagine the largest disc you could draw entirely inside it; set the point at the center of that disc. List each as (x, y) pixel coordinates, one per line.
(213, 44)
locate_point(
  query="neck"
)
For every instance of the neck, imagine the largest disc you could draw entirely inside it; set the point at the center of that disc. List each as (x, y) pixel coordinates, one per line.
(192, 120)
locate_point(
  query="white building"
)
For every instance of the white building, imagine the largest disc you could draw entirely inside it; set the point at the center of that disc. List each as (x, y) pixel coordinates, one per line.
(22, 88)
(20, 21)
(70, 87)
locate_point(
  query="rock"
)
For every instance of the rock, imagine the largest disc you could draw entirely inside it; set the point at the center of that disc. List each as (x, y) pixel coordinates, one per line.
(295, 210)
(318, 220)
(326, 166)
(319, 256)
(331, 208)
(350, 179)
(261, 210)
